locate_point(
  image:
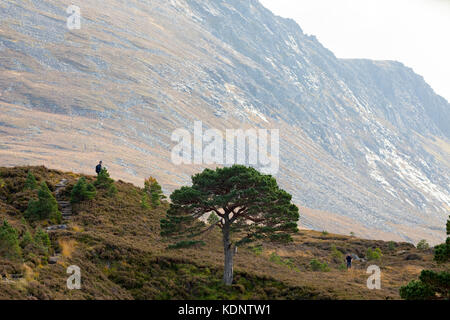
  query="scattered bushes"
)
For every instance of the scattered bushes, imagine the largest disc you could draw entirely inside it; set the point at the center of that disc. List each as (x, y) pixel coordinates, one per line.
(144, 201)
(391, 245)
(342, 266)
(103, 180)
(336, 254)
(45, 207)
(186, 244)
(416, 290)
(374, 254)
(423, 245)
(431, 285)
(12, 247)
(258, 249)
(274, 257)
(42, 241)
(442, 251)
(82, 191)
(154, 191)
(9, 241)
(112, 190)
(30, 183)
(316, 265)
(35, 247)
(27, 239)
(438, 281)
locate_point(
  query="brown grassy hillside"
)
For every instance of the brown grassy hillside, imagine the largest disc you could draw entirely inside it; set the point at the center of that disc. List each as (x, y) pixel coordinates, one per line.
(116, 244)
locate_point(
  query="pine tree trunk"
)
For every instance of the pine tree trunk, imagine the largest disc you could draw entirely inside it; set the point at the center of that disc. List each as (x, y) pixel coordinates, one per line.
(229, 253)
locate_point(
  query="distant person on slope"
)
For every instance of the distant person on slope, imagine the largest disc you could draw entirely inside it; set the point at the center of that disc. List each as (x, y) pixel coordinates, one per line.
(349, 261)
(98, 168)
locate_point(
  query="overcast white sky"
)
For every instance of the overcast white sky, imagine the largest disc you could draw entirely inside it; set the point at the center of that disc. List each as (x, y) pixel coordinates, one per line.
(414, 32)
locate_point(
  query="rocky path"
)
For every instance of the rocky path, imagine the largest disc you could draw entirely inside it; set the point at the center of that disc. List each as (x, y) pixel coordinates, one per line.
(64, 205)
(66, 211)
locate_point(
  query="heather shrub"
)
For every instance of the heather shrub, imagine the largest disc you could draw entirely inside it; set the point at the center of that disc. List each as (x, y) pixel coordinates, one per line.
(154, 191)
(9, 241)
(431, 285)
(316, 265)
(186, 244)
(423, 245)
(374, 254)
(30, 183)
(82, 191)
(103, 180)
(45, 207)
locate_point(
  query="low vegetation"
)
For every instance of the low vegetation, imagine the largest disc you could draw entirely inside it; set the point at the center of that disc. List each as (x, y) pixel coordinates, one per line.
(186, 244)
(423, 245)
(104, 180)
(30, 183)
(316, 265)
(274, 257)
(442, 251)
(44, 208)
(82, 191)
(336, 254)
(9, 241)
(374, 254)
(25, 247)
(153, 191)
(431, 284)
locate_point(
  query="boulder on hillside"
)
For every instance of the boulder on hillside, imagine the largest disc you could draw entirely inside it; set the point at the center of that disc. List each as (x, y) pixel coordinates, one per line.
(413, 256)
(53, 260)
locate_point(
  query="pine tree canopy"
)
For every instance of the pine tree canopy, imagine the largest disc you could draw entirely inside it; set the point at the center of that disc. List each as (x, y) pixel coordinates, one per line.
(249, 203)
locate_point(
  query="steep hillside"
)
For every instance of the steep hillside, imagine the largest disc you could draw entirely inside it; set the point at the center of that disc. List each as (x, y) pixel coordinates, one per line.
(364, 145)
(117, 246)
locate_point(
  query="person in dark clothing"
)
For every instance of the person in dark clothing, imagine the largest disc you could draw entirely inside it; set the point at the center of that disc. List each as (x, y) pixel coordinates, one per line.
(349, 261)
(98, 168)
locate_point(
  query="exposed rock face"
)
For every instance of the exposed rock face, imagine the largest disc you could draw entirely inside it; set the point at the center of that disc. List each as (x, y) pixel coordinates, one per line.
(364, 143)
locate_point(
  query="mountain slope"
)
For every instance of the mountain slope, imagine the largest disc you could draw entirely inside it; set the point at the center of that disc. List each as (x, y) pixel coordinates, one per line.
(365, 143)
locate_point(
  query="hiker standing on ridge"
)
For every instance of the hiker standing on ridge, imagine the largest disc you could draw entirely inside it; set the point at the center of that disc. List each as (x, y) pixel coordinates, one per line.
(349, 261)
(98, 168)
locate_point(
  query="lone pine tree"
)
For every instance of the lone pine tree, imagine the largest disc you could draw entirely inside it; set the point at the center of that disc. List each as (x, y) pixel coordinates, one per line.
(250, 207)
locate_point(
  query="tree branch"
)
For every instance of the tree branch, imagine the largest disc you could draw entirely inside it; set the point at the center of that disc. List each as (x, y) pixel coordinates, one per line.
(239, 213)
(208, 229)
